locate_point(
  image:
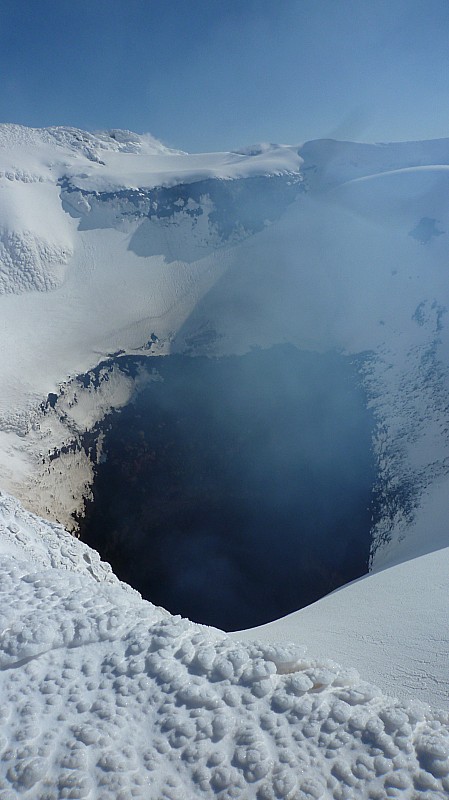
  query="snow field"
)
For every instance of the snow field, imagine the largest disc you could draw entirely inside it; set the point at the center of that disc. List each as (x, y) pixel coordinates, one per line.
(103, 695)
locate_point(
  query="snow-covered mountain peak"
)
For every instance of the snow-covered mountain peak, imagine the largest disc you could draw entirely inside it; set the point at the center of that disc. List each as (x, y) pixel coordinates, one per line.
(65, 150)
(75, 139)
(51, 176)
(130, 142)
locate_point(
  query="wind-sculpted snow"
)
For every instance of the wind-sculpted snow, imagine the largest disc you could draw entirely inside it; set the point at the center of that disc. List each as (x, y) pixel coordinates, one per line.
(28, 262)
(89, 145)
(47, 545)
(103, 695)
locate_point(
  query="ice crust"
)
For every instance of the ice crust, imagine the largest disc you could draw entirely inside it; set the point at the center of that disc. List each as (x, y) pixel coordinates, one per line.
(103, 695)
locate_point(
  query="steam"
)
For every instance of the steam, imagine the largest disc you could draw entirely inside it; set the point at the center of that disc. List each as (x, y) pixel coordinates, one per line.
(238, 489)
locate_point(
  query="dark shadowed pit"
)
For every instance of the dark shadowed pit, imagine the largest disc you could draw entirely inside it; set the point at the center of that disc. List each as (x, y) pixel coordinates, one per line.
(236, 490)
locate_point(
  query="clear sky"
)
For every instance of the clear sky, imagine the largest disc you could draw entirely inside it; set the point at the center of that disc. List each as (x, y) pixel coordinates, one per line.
(217, 74)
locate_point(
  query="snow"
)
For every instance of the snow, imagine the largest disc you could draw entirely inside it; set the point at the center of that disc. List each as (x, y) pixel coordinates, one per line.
(135, 171)
(390, 625)
(87, 293)
(103, 695)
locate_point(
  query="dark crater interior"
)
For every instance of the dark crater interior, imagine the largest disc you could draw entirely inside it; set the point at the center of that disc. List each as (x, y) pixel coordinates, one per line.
(236, 490)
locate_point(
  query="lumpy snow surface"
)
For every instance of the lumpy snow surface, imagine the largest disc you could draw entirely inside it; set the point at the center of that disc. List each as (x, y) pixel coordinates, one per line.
(103, 695)
(113, 243)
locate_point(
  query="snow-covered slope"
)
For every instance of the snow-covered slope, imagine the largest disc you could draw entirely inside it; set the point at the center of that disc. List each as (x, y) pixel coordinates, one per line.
(391, 625)
(105, 696)
(111, 242)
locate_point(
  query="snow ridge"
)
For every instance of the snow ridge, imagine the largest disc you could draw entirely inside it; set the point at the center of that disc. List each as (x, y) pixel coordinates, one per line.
(28, 262)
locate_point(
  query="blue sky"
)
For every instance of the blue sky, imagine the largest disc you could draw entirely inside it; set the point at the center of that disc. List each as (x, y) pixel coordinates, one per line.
(217, 74)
